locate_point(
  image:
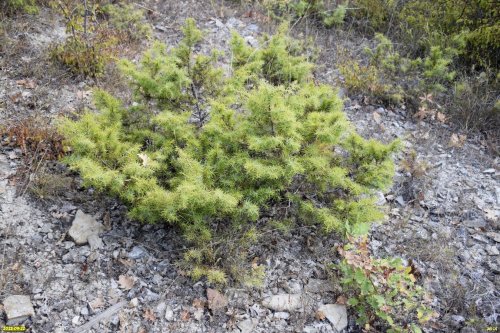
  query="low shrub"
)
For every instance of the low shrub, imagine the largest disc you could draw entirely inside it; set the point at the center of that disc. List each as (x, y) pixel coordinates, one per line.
(329, 12)
(382, 289)
(128, 21)
(209, 151)
(15, 6)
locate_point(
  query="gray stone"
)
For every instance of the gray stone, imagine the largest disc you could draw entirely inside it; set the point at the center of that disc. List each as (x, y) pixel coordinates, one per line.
(494, 235)
(400, 200)
(336, 314)
(454, 320)
(475, 223)
(95, 242)
(283, 302)
(137, 252)
(380, 198)
(310, 329)
(160, 308)
(468, 330)
(18, 308)
(319, 286)
(489, 171)
(247, 325)
(83, 227)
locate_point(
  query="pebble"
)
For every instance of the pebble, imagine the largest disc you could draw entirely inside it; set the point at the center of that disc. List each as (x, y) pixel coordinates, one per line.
(134, 302)
(137, 252)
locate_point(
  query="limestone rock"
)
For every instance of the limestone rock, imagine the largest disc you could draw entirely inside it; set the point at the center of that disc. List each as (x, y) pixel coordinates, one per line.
(83, 227)
(336, 314)
(283, 302)
(18, 308)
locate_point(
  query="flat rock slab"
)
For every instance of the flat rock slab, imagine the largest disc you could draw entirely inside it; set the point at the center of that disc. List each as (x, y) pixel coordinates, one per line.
(84, 227)
(18, 308)
(283, 302)
(336, 314)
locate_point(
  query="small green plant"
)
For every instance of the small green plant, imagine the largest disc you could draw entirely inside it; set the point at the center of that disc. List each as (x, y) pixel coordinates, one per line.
(95, 32)
(128, 21)
(382, 289)
(330, 13)
(89, 45)
(16, 6)
(210, 151)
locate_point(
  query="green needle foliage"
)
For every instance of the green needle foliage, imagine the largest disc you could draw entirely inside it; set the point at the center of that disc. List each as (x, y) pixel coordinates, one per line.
(202, 147)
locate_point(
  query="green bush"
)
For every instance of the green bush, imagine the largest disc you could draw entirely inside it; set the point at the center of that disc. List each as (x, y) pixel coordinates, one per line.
(203, 149)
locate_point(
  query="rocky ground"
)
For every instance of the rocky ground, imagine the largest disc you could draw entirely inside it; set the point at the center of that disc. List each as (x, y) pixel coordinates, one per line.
(443, 214)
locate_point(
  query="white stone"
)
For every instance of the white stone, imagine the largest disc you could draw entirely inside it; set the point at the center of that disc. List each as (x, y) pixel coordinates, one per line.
(282, 315)
(248, 325)
(134, 302)
(18, 308)
(283, 302)
(75, 321)
(169, 313)
(83, 227)
(492, 250)
(336, 314)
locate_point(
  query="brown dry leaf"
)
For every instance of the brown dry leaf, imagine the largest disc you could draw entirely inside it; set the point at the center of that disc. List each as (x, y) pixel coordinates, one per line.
(198, 303)
(376, 117)
(81, 94)
(142, 330)
(126, 282)
(16, 267)
(457, 140)
(97, 303)
(27, 83)
(126, 262)
(185, 315)
(15, 97)
(342, 300)
(421, 113)
(441, 117)
(215, 299)
(149, 315)
(319, 315)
